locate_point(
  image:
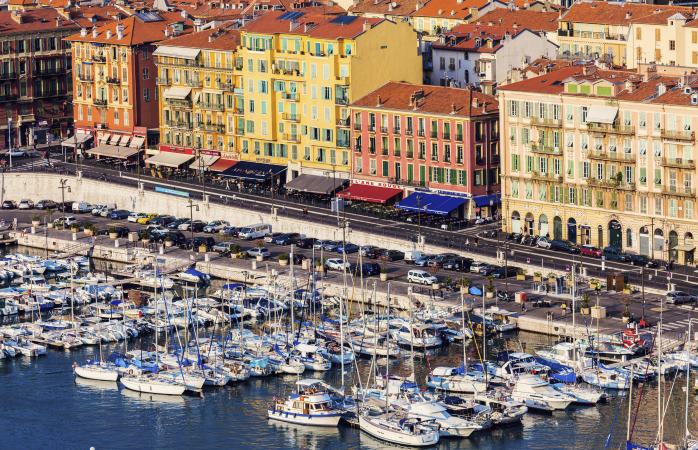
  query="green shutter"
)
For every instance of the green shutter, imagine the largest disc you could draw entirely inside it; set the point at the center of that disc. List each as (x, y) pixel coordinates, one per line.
(385, 168)
(410, 173)
(422, 175)
(454, 177)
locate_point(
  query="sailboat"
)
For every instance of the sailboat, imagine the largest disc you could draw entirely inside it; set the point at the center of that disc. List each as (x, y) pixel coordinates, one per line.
(310, 405)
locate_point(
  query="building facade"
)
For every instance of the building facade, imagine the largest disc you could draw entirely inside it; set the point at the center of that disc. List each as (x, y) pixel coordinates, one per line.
(670, 39)
(34, 90)
(419, 137)
(603, 158)
(300, 74)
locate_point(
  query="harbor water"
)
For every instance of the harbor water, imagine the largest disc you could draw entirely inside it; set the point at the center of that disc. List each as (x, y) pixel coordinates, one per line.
(45, 407)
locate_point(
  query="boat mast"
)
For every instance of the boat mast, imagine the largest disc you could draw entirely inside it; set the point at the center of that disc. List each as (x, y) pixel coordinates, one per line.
(660, 427)
(630, 403)
(687, 350)
(462, 324)
(574, 317)
(342, 298)
(387, 356)
(484, 336)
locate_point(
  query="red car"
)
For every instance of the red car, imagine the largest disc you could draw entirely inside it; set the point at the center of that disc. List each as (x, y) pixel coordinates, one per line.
(588, 250)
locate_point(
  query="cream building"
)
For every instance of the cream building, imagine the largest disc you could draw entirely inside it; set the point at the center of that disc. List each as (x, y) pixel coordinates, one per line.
(602, 158)
(669, 38)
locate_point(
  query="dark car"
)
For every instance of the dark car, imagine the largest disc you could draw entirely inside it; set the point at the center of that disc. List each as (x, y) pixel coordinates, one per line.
(9, 204)
(198, 241)
(330, 246)
(305, 242)
(45, 204)
(285, 239)
(298, 258)
(162, 220)
(197, 226)
(347, 248)
(365, 269)
(563, 246)
(505, 272)
(392, 255)
(488, 269)
(614, 254)
(119, 214)
(120, 230)
(231, 231)
(177, 238)
(457, 263)
(176, 223)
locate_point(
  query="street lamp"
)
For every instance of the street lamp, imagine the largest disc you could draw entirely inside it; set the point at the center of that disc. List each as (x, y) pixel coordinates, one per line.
(63, 185)
(192, 207)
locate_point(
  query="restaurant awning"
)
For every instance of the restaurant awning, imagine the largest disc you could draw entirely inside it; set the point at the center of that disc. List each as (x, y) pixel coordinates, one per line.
(124, 141)
(203, 162)
(113, 151)
(484, 200)
(222, 165)
(602, 114)
(137, 142)
(177, 92)
(685, 248)
(253, 171)
(177, 52)
(431, 203)
(169, 159)
(104, 138)
(80, 138)
(315, 184)
(113, 139)
(368, 193)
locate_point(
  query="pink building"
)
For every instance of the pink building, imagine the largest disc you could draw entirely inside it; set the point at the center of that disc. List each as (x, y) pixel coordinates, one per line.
(430, 139)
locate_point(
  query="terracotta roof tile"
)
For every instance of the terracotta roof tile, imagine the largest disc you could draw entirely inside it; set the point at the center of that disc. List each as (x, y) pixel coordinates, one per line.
(320, 26)
(220, 38)
(43, 19)
(136, 31)
(549, 83)
(435, 100)
(477, 38)
(399, 8)
(521, 18)
(450, 9)
(601, 12)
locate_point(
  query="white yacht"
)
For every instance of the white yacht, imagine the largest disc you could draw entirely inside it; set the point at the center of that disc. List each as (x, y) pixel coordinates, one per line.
(407, 432)
(153, 384)
(418, 335)
(310, 405)
(97, 371)
(456, 379)
(449, 426)
(606, 378)
(536, 393)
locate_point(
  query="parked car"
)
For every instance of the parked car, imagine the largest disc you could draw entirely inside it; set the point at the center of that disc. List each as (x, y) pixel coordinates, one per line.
(177, 237)
(330, 246)
(563, 246)
(269, 238)
(413, 255)
(365, 269)
(81, 207)
(543, 242)
(223, 247)
(588, 250)
(192, 225)
(392, 255)
(305, 242)
(336, 264)
(505, 272)
(298, 258)
(457, 263)
(614, 254)
(285, 239)
(119, 214)
(174, 225)
(370, 251)
(488, 269)
(163, 220)
(133, 217)
(199, 241)
(421, 277)
(422, 261)
(46, 204)
(106, 211)
(146, 220)
(65, 221)
(215, 226)
(679, 297)
(230, 231)
(120, 230)
(9, 204)
(97, 209)
(347, 248)
(475, 266)
(259, 251)
(25, 204)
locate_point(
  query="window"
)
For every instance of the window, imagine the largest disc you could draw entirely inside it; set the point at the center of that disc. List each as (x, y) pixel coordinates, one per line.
(638, 33)
(643, 204)
(515, 162)
(688, 207)
(434, 151)
(628, 202)
(658, 203)
(146, 94)
(672, 45)
(657, 34)
(673, 207)
(146, 73)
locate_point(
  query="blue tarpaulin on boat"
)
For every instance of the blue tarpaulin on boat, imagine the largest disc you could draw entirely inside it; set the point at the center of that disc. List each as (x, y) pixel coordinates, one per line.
(233, 286)
(632, 446)
(474, 290)
(484, 200)
(430, 203)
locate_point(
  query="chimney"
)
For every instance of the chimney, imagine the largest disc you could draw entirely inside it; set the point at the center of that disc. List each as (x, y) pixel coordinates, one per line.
(17, 16)
(167, 32)
(367, 25)
(453, 108)
(411, 100)
(108, 34)
(119, 31)
(379, 102)
(476, 102)
(390, 6)
(629, 86)
(417, 6)
(58, 21)
(183, 14)
(628, 15)
(83, 32)
(94, 32)
(210, 38)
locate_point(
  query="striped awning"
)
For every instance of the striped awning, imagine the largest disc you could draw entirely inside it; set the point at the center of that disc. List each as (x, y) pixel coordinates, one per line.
(203, 162)
(169, 159)
(113, 151)
(137, 142)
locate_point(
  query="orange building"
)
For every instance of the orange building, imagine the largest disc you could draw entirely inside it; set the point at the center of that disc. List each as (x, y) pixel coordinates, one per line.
(114, 79)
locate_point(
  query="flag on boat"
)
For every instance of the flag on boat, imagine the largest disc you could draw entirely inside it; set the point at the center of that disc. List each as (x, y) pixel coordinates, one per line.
(632, 446)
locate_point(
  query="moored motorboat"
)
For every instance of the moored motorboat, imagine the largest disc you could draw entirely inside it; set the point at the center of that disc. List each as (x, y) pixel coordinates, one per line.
(311, 404)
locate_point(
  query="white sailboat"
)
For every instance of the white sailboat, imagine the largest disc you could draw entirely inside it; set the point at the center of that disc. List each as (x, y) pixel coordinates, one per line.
(407, 432)
(97, 371)
(536, 393)
(153, 384)
(310, 405)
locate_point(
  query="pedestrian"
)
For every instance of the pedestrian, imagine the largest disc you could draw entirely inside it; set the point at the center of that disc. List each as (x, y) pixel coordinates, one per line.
(467, 243)
(476, 240)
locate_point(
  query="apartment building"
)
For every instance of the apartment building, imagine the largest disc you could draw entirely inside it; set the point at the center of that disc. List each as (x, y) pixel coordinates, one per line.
(115, 98)
(602, 157)
(34, 90)
(667, 38)
(201, 93)
(428, 139)
(301, 72)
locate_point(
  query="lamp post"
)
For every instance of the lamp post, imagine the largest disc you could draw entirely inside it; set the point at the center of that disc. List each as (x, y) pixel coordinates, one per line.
(9, 139)
(63, 185)
(192, 207)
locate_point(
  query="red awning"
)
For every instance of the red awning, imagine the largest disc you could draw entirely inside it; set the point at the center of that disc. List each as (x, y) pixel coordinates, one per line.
(368, 193)
(221, 165)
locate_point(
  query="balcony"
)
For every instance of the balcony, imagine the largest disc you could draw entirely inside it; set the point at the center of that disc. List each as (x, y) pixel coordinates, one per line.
(293, 72)
(357, 126)
(344, 122)
(162, 81)
(396, 130)
(211, 127)
(178, 103)
(292, 138)
(675, 135)
(409, 131)
(343, 143)
(291, 117)
(545, 149)
(49, 72)
(604, 128)
(194, 83)
(113, 80)
(409, 154)
(84, 77)
(226, 86)
(420, 133)
(546, 177)
(178, 124)
(342, 101)
(384, 130)
(372, 150)
(290, 96)
(611, 156)
(8, 76)
(611, 184)
(679, 191)
(678, 163)
(211, 106)
(546, 123)
(101, 102)
(99, 58)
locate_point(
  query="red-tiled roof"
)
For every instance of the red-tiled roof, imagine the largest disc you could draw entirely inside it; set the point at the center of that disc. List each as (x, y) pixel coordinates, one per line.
(219, 38)
(43, 19)
(385, 7)
(450, 9)
(435, 100)
(601, 12)
(550, 83)
(320, 26)
(136, 31)
(477, 38)
(521, 18)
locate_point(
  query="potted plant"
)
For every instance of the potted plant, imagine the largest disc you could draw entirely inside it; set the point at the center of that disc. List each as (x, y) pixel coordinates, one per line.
(520, 276)
(143, 235)
(168, 241)
(584, 308)
(36, 221)
(489, 289)
(551, 277)
(75, 228)
(320, 266)
(384, 274)
(593, 283)
(537, 277)
(90, 229)
(283, 259)
(234, 251)
(113, 234)
(203, 248)
(464, 284)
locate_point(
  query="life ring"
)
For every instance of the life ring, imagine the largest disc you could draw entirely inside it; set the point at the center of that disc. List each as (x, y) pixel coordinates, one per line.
(131, 371)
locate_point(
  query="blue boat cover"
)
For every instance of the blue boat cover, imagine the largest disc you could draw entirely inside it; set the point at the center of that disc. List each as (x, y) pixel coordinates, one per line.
(632, 446)
(474, 290)
(192, 271)
(430, 203)
(484, 200)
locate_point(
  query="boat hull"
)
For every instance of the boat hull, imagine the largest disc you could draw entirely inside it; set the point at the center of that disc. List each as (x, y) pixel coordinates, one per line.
(395, 437)
(149, 387)
(96, 374)
(322, 420)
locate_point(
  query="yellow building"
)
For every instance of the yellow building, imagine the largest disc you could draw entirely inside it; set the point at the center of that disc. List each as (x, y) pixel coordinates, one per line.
(603, 158)
(299, 75)
(200, 93)
(668, 38)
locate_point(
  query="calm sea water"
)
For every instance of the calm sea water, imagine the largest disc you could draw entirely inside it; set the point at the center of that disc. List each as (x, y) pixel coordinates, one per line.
(45, 407)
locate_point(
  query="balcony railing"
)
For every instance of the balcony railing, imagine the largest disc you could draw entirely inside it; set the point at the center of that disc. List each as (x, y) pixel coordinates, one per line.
(675, 135)
(344, 122)
(291, 96)
(610, 128)
(681, 191)
(291, 117)
(545, 149)
(84, 77)
(342, 100)
(194, 83)
(611, 184)
(178, 102)
(420, 133)
(180, 124)
(409, 131)
(611, 156)
(162, 80)
(99, 58)
(211, 127)
(384, 130)
(113, 80)
(226, 86)
(547, 177)
(211, 106)
(396, 130)
(679, 163)
(292, 138)
(8, 97)
(100, 102)
(548, 123)
(343, 143)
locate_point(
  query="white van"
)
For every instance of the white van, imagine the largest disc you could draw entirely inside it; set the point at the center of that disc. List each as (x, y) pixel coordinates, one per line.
(254, 231)
(81, 207)
(421, 277)
(413, 255)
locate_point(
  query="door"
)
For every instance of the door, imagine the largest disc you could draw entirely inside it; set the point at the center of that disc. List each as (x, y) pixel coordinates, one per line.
(615, 234)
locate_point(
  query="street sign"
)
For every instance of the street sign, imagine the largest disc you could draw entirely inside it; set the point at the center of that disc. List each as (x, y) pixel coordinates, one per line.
(164, 190)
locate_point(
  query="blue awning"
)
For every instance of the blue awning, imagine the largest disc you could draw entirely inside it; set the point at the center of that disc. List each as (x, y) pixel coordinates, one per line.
(431, 203)
(253, 171)
(484, 200)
